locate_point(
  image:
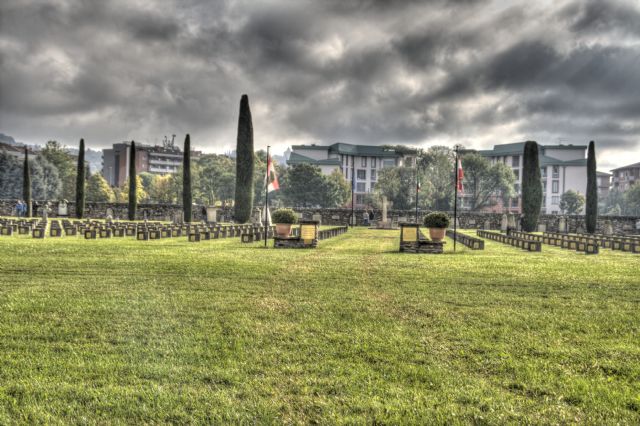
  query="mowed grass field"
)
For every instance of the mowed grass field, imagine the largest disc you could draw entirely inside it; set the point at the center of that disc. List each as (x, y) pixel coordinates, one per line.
(125, 331)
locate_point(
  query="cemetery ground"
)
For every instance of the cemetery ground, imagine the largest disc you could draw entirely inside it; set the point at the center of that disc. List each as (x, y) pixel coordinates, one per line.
(119, 330)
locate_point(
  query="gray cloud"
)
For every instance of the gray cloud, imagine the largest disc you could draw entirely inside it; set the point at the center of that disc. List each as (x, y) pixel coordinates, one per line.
(368, 71)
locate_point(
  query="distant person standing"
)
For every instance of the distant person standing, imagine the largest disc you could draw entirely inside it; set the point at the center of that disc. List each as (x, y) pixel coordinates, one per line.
(19, 208)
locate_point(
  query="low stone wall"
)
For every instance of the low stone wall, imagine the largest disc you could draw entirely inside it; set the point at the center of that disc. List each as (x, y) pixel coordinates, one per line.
(338, 217)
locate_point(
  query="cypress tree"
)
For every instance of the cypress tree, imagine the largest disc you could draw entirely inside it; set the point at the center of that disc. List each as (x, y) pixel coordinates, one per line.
(531, 187)
(26, 182)
(591, 209)
(80, 178)
(133, 200)
(186, 180)
(244, 164)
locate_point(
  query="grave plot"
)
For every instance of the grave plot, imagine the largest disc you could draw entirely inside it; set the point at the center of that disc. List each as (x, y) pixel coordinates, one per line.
(524, 244)
(412, 240)
(466, 240)
(565, 241)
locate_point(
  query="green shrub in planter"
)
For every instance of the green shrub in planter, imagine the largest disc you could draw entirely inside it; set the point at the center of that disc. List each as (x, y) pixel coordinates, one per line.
(284, 216)
(437, 220)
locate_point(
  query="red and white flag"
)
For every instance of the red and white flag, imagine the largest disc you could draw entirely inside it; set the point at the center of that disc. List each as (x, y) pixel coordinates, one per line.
(460, 172)
(271, 179)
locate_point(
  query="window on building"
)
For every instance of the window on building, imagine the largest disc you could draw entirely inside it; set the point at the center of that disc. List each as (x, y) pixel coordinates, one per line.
(364, 161)
(516, 187)
(516, 172)
(361, 187)
(555, 186)
(373, 162)
(359, 198)
(514, 203)
(555, 200)
(389, 162)
(515, 161)
(362, 174)
(372, 186)
(556, 172)
(543, 172)
(544, 201)
(373, 175)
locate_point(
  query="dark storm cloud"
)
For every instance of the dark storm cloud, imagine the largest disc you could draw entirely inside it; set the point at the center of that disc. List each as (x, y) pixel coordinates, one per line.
(362, 71)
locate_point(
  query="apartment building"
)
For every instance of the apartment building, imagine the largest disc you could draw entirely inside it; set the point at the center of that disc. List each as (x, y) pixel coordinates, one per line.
(360, 162)
(562, 168)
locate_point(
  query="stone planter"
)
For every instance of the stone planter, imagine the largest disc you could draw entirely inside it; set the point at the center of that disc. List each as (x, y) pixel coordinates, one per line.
(436, 234)
(283, 229)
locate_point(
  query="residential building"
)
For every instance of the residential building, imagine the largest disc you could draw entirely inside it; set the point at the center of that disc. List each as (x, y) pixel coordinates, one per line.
(15, 150)
(604, 184)
(156, 159)
(624, 177)
(358, 163)
(562, 168)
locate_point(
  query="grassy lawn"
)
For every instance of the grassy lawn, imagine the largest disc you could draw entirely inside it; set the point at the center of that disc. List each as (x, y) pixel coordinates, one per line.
(169, 331)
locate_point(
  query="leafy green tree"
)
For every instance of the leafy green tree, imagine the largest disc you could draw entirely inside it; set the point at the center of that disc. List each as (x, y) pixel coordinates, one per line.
(11, 176)
(304, 185)
(398, 184)
(45, 180)
(436, 165)
(484, 183)
(125, 192)
(147, 180)
(531, 187)
(98, 190)
(186, 180)
(632, 200)
(212, 168)
(133, 182)
(614, 203)
(571, 202)
(159, 190)
(80, 181)
(244, 164)
(591, 211)
(59, 156)
(338, 190)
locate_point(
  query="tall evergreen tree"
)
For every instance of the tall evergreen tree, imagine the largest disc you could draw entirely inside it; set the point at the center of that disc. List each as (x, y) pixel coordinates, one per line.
(26, 182)
(80, 175)
(244, 164)
(133, 200)
(591, 209)
(186, 180)
(531, 187)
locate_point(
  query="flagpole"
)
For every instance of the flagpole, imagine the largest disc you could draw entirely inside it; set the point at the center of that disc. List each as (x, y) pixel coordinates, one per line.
(455, 204)
(266, 200)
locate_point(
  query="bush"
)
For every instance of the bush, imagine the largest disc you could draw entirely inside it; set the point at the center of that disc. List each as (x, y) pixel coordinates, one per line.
(284, 216)
(437, 220)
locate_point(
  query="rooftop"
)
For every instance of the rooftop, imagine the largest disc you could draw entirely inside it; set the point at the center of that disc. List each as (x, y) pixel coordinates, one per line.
(630, 166)
(350, 149)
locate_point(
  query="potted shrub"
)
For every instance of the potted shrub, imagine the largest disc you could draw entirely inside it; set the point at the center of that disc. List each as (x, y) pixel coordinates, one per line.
(437, 222)
(284, 218)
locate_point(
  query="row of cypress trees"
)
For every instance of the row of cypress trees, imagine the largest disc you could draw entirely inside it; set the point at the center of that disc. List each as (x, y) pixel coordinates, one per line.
(532, 188)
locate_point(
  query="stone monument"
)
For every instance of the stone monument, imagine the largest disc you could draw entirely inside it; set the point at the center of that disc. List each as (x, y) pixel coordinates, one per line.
(212, 214)
(562, 224)
(608, 227)
(504, 223)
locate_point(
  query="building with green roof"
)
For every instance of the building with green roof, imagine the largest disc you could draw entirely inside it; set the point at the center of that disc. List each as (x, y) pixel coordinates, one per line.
(562, 167)
(359, 164)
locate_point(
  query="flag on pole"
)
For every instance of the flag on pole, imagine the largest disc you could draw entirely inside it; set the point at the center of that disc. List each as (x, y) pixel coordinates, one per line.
(271, 179)
(460, 172)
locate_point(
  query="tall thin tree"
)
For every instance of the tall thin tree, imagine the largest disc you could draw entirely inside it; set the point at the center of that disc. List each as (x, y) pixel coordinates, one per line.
(244, 164)
(80, 182)
(186, 180)
(133, 199)
(26, 182)
(531, 187)
(591, 208)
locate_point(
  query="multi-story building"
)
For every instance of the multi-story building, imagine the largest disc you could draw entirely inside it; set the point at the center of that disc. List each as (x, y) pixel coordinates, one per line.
(624, 177)
(562, 168)
(604, 184)
(362, 163)
(160, 160)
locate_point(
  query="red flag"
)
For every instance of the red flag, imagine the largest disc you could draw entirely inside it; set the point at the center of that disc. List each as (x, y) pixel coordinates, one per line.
(460, 187)
(271, 178)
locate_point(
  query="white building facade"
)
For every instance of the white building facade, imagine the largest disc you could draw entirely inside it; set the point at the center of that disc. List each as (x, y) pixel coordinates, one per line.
(562, 168)
(359, 164)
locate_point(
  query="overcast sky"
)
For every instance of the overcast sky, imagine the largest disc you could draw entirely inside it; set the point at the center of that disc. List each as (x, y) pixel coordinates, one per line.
(370, 71)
